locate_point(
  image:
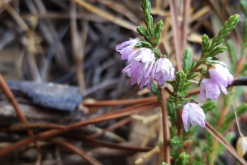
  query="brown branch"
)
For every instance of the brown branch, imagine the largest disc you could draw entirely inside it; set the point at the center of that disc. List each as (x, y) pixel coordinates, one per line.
(108, 116)
(191, 92)
(220, 139)
(166, 131)
(78, 151)
(15, 104)
(27, 126)
(176, 36)
(112, 127)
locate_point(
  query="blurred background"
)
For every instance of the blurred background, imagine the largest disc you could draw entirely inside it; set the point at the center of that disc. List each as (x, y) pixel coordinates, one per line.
(72, 42)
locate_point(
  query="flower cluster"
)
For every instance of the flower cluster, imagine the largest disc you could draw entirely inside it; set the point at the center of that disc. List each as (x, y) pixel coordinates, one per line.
(220, 78)
(144, 67)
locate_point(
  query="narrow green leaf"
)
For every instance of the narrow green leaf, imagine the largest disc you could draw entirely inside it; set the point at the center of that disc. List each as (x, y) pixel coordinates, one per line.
(176, 141)
(224, 31)
(155, 90)
(157, 30)
(209, 148)
(164, 163)
(143, 44)
(232, 52)
(243, 4)
(208, 106)
(245, 33)
(205, 44)
(182, 159)
(240, 110)
(244, 70)
(194, 162)
(187, 60)
(148, 19)
(143, 32)
(239, 90)
(216, 51)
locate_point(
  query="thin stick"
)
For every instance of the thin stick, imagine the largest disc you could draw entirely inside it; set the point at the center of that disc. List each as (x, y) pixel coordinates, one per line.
(185, 24)
(15, 104)
(176, 35)
(166, 132)
(112, 127)
(120, 146)
(78, 151)
(220, 139)
(134, 101)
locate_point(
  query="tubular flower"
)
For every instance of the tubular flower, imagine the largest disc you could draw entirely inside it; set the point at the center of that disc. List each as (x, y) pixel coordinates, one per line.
(163, 70)
(141, 63)
(221, 76)
(192, 113)
(211, 88)
(143, 66)
(126, 48)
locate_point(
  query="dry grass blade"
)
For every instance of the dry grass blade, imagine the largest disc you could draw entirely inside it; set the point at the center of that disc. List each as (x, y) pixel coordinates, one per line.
(107, 16)
(90, 159)
(186, 12)
(217, 136)
(120, 8)
(112, 115)
(176, 36)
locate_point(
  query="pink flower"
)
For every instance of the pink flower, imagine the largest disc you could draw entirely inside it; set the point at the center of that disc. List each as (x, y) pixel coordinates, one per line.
(211, 88)
(221, 76)
(219, 79)
(141, 62)
(192, 113)
(163, 70)
(126, 48)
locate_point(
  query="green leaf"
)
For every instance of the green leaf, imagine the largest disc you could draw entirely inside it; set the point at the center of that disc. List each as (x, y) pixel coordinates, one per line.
(209, 148)
(231, 116)
(205, 44)
(245, 33)
(155, 90)
(176, 141)
(216, 51)
(148, 19)
(244, 70)
(194, 162)
(143, 32)
(157, 52)
(224, 32)
(157, 30)
(164, 163)
(208, 106)
(182, 159)
(191, 76)
(142, 44)
(233, 52)
(243, 4)
(172, 112)
(180, 88)
(239, 90)
(187, 60)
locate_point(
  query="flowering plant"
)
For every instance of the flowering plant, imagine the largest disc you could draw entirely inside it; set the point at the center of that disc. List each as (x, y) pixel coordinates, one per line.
(147, 66)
